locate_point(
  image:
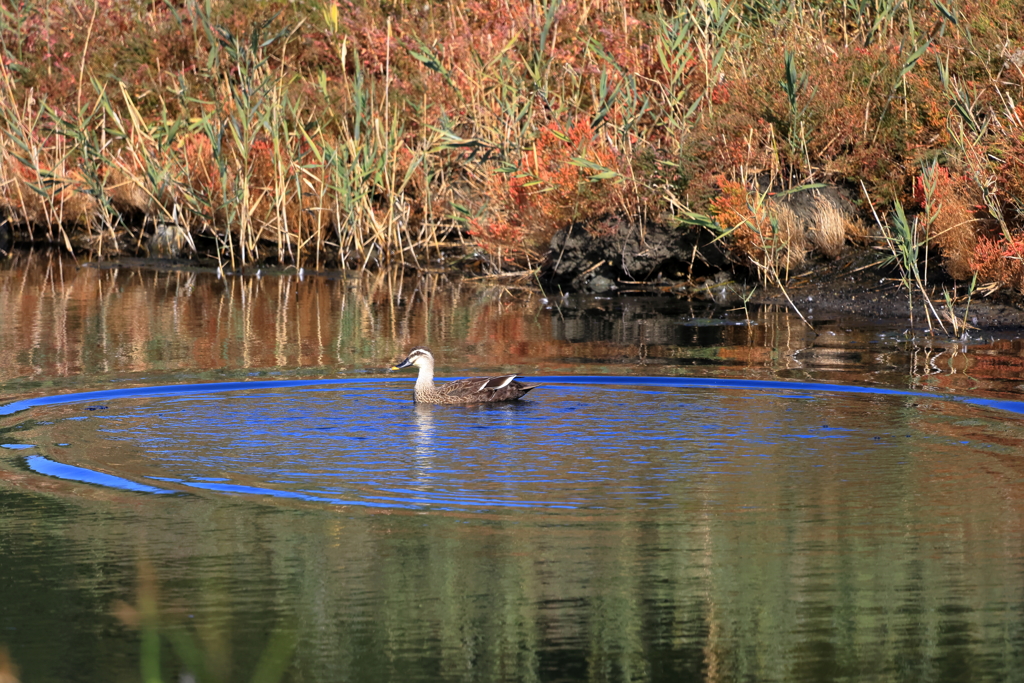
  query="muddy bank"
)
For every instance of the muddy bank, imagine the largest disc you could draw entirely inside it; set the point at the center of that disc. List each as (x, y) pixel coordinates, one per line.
(6, 239)
(832, 265)
(623, 254)
(856, 287)
(781, 232)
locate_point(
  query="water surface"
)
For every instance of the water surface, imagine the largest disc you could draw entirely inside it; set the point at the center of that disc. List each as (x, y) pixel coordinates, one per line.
(693, 494)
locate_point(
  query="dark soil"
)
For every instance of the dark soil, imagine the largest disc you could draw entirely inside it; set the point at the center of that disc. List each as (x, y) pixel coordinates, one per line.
(623, 254)
(6, 238)
(856, 286)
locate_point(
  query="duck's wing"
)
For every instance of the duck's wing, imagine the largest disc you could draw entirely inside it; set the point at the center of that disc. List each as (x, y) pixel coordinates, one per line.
(495, 383)
(473, 385)
(485, 389)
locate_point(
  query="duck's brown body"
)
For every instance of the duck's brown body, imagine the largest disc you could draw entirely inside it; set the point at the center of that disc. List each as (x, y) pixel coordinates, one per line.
(474, 390)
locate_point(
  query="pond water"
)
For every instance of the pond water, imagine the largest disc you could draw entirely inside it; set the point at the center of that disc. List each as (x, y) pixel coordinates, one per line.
(214, 479)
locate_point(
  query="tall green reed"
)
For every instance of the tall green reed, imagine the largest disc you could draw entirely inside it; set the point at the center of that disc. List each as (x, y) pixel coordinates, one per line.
(902, 238)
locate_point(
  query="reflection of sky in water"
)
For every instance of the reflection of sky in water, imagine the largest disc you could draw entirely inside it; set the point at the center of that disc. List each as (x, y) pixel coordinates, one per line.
(56, 469)
(598, 444)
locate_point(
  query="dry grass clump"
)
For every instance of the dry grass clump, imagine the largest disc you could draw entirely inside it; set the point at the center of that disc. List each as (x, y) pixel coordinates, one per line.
(50, 201)
(789, 236)
(831, 227)
(777, 232)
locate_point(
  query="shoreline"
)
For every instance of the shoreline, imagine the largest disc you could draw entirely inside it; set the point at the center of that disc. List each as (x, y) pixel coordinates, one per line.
(855, 289)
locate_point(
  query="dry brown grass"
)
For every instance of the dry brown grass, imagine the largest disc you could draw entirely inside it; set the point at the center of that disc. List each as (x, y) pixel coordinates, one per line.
(48, 199)
(789, 245)
(832, 227)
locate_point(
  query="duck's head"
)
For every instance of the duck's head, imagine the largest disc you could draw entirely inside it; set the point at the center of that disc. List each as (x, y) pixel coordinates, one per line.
(418, 357)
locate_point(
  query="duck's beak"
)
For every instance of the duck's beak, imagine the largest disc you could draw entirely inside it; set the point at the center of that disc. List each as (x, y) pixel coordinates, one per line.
(404, 364)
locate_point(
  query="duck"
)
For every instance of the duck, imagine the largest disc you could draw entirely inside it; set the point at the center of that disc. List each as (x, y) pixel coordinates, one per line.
(473, 390)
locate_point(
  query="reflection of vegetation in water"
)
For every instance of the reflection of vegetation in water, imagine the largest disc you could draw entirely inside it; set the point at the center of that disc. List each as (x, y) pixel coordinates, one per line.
(63, 324)
(101, 321)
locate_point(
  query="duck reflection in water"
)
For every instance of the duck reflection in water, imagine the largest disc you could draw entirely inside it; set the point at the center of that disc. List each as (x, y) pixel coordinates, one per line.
(424, 434)
(473, 390)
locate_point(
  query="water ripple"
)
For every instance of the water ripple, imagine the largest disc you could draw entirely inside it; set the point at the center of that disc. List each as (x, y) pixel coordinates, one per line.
(604, 444)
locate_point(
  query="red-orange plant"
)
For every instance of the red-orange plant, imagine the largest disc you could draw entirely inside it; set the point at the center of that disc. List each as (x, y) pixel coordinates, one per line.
(554, 187)
(997, 260)
(947, 200)
(764, 232)
(751, 228)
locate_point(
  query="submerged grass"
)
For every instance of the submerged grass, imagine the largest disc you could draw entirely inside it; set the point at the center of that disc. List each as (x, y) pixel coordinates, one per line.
(362, 133)
(200, 653)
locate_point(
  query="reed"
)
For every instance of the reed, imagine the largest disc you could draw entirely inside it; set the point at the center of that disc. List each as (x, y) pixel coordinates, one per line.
(904, 240)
